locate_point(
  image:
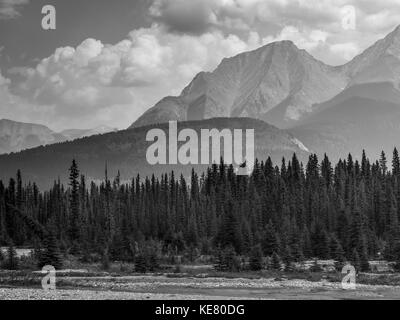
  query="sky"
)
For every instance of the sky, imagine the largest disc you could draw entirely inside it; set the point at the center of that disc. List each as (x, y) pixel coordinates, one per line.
(109, 61)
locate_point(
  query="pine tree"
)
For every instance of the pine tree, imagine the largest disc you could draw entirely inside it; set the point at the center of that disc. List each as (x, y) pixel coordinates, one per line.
(355, 260)
(12, 258)
(147, 259)
(396, 163)
(256, 258)
(320, 242)
(105, 260)
(269, 242)
(152, 260)
(276, 262)
(364, 263)
(337, 252)
(219, 260)
(75, 222)
(396, 253)
(227, 260)
(288, 259)
(230, 232)
(231, 261)
(141, 263)
(50, 255)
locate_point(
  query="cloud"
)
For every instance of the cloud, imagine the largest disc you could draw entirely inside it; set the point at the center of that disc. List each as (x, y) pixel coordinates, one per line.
(271, 20)
(85, 84)
(309, 40)
(347, 50)
(4, 82)
(98, 83)
(10, 9)
(193, 17)
(15, 107)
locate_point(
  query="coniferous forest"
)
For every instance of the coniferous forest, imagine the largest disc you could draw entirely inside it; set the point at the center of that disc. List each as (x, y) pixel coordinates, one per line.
(348, 211)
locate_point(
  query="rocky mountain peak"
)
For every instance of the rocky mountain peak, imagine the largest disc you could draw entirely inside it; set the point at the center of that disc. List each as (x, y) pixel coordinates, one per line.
(278, 83)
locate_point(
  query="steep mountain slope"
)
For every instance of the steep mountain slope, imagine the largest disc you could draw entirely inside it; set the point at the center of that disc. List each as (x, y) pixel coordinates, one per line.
(384, 91)
(250, 85)
(379, 63)
(126, 151)
(16, 136)
(277, 83)
(366, 114)
(362, 117)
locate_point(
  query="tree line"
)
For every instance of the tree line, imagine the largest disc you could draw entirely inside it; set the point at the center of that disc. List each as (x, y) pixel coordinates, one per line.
(348, 211)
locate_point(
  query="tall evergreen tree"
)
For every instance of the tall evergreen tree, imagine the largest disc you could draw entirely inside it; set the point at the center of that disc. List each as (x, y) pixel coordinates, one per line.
(75, 223)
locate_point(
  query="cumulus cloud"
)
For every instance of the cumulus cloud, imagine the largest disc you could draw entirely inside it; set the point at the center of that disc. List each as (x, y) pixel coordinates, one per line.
(305, 40)
(95, 80)
(9, 9)
(315, 25)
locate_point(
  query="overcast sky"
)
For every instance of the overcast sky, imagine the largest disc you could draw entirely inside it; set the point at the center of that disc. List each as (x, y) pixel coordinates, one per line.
(109, 61)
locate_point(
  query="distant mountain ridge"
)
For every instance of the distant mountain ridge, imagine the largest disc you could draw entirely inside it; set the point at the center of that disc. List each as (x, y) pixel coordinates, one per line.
(72, 134)
(365, 116)
(125, 151)
(16, 136)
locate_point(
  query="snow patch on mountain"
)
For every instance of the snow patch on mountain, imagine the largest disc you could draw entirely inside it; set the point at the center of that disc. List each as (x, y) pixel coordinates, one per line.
(300, 144)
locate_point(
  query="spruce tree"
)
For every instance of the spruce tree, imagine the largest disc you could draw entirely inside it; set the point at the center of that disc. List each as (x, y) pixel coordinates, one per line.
(219, 263)
(12, 258)
(105, 260)
(256, 258)
(396, 255)
(336, 250)
(231, 260)
(364, 263)
(269, 242)
(141, 263)
(355, 260)
(75, 223)
(276, 262)
(51, 254)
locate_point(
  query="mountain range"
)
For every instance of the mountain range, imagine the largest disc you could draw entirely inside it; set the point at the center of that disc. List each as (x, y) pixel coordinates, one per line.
(302, 105)
(277, 83)
(333, 110)
(17, 136)
(125, 151)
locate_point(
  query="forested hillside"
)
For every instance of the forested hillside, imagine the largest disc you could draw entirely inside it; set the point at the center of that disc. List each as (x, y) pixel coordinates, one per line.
(125, 151)
(345, 211)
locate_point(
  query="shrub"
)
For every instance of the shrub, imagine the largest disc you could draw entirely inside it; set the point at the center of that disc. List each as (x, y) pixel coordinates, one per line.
(315, 267)
(11, 262)
(227, 260)
(147, 259)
